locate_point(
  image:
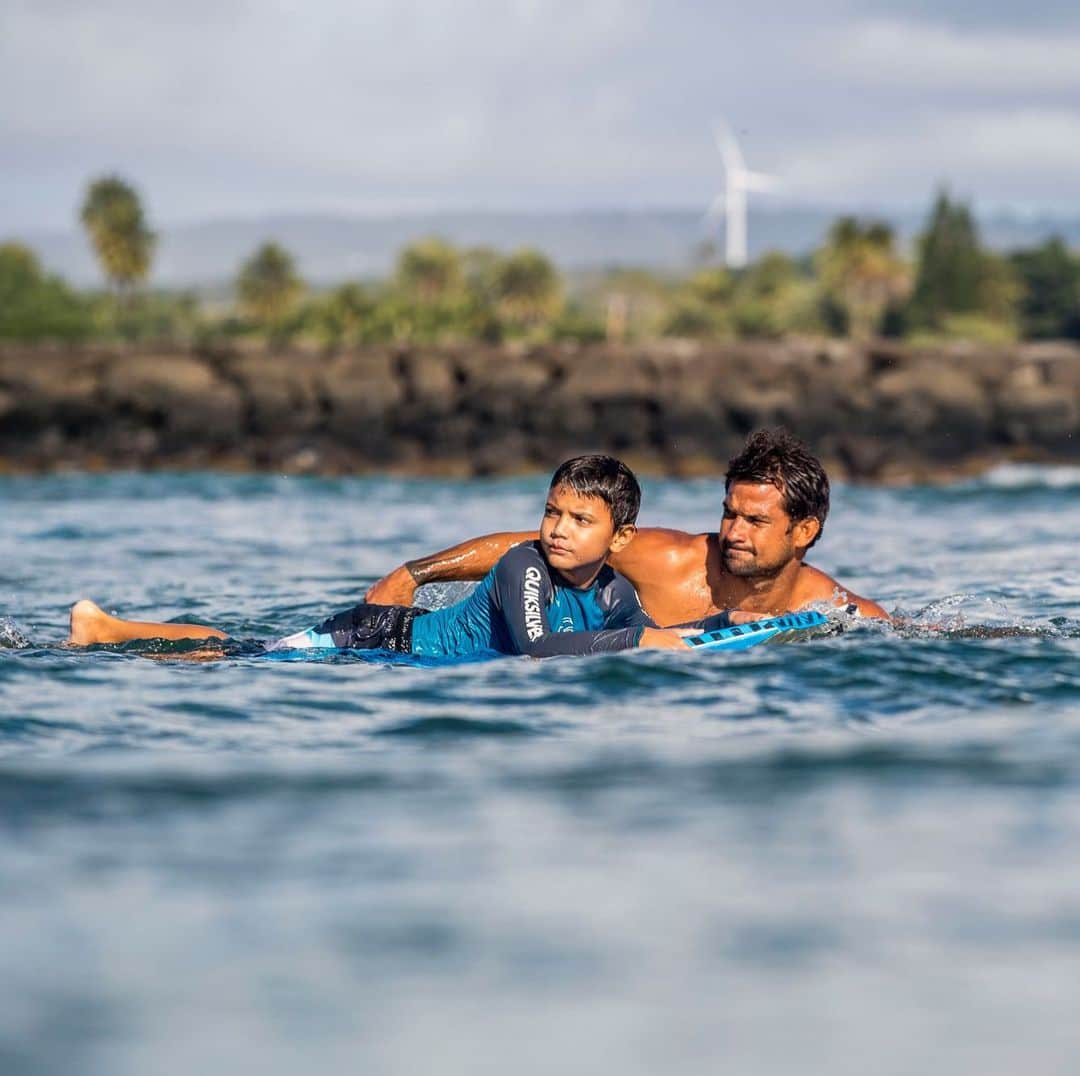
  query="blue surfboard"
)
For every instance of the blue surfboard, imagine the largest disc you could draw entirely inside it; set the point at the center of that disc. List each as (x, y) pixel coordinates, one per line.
(741, 636)
(736, 637)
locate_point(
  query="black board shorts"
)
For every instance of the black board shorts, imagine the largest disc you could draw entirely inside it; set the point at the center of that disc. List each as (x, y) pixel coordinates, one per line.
(372, 627)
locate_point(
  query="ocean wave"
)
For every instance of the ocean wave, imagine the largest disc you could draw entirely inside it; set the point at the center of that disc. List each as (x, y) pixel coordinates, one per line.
(1021, 476)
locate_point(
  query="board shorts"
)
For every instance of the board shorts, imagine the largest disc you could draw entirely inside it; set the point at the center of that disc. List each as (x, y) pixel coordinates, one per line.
(364, 627)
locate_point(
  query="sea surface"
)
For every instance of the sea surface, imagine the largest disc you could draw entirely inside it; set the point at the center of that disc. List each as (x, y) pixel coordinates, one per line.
(854, 854)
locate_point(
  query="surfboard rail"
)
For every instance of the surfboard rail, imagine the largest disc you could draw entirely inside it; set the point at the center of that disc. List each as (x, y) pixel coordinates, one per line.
(741, 636)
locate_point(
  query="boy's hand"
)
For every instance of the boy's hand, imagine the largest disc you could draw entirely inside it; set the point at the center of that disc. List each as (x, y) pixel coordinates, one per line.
(397, 588)
(664, 638)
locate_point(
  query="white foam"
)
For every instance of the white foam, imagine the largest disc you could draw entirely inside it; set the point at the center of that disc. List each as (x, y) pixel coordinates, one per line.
(1032, 476)
(12, 637)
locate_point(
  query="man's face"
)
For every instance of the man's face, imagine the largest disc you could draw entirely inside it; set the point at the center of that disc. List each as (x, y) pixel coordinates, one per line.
(576, 533)
(756, 535)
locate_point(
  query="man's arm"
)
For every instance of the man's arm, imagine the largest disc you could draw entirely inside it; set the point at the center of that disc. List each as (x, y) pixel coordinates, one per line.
(815, 586)
(470, 560)
(866, 607)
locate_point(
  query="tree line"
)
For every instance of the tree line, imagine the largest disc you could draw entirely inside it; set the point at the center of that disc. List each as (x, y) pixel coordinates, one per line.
(858, 284)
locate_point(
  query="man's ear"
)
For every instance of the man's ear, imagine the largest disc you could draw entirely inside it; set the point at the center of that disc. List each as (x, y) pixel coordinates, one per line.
(622, 538)
(805, 531)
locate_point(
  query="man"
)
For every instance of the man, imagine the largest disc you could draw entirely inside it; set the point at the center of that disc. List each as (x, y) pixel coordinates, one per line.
(776, 502)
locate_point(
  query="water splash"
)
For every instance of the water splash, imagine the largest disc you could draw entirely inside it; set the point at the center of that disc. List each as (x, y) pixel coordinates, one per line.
(975, 616)
(12, 637)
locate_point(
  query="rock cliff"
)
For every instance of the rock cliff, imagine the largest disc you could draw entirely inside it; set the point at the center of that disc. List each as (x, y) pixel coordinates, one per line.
(880, 412)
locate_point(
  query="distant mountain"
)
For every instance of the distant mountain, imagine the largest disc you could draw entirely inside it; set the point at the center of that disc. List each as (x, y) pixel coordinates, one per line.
(331, 247)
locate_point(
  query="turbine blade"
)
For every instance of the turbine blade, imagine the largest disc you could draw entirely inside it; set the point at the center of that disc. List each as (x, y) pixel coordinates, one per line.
(728, 145)
(716, 208)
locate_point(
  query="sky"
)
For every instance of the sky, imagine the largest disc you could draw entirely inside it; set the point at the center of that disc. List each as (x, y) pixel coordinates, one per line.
(219, 108)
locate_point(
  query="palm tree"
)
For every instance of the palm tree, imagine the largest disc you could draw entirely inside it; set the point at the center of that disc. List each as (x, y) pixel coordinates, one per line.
(527, 288)
(429, 270)
(113, 217)
(268, 283)
(861, 273)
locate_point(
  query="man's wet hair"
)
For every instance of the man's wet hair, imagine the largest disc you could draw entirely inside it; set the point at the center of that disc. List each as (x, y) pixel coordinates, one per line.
(776, 457)
(604, 477)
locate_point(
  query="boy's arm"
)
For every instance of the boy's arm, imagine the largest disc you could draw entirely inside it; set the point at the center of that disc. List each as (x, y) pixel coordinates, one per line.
(460, 563)
(622, 606)
(626, 612)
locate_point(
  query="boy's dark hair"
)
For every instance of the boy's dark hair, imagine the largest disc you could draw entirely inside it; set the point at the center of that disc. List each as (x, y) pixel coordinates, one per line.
(604, 477)
(776, 457)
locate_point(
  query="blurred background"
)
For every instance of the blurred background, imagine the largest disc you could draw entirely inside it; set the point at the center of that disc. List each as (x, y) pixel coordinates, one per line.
(433, 171)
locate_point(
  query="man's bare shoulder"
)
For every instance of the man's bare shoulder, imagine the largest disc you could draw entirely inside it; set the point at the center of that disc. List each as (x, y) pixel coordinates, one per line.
(813, 585)
(660, 548)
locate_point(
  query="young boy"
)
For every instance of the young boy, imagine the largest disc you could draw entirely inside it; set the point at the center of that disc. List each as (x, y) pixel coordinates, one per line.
(553, 596)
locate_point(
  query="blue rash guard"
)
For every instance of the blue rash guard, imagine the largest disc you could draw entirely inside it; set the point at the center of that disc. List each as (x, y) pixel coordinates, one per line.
(523, 607)
(520, 607)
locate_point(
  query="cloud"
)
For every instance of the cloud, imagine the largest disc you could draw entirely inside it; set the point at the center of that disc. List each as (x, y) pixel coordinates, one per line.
(1017, 156)
(243, 107)
(929, 56)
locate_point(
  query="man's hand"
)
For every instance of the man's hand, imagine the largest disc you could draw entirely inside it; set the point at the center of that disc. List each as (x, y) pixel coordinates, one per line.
(738, 616)
(664, 638)
(397, 588)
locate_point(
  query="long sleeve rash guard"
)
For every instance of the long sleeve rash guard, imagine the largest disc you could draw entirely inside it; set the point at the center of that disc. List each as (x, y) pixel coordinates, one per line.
(523, 607)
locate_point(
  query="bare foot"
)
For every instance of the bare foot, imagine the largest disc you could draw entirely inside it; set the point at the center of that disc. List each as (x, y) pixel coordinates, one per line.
(89, 623)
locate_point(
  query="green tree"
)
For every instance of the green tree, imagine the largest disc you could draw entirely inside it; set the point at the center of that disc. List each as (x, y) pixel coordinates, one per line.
(346, 311)
(1050, 295)
(689, 317)
(527, 288)
(480, 266)
(268, 284)
(714, 286)
(772, 297)
(861, 275)
(700, 305)
(113, 217)
(951, 264)
(35, 305)
(429, 270)
(771, 275)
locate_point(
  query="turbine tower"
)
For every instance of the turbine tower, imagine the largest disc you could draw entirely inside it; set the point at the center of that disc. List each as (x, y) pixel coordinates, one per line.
(738, 180)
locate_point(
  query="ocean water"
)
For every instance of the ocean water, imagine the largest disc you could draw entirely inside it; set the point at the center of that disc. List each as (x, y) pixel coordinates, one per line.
(858, 853)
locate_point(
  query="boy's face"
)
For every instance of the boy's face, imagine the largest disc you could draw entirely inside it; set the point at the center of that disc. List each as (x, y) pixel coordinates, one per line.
(577, 533)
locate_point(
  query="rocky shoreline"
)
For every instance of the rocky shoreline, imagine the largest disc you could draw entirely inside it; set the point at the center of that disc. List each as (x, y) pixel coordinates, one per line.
(881, 412)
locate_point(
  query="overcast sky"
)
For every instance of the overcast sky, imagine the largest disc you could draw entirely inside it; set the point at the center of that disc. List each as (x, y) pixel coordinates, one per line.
(222, 107)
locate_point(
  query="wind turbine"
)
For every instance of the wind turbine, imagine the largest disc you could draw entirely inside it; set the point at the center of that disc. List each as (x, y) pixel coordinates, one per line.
(738, 180)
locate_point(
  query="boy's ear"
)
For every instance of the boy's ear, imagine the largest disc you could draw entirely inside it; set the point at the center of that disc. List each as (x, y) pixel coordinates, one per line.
(622, 538)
